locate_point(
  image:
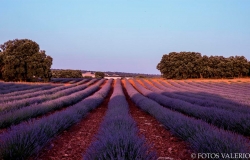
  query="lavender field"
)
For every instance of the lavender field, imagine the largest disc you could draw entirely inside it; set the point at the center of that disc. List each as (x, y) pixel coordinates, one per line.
(208, 116)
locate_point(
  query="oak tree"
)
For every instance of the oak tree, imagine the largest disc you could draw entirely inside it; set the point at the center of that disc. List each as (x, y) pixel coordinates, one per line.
(22, 60)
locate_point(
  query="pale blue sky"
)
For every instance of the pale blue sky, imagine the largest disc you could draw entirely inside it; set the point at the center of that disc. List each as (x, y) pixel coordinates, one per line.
(127, 35)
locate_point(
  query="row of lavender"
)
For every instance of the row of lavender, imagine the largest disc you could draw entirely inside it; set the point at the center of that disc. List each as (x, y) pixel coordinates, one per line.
(117, 137)
(205, 88)
(66, 80)
(32, 93)
(37, 91)
(35, 110)
(17, 104)
(12, 87)
(238, 122)
(230, 87)
(28, 90)
(9, 85)
(214, 85)
(199, 97)
(76, 81)
(203, 137)
(194, 91)
(27, 138)
(21, 87)
(207, 94)
(223, 90)
(228, 91)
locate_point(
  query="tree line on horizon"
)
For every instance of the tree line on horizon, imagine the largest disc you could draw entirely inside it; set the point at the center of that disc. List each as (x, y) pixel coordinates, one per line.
(66, 73)
(185, 65)
(22, 60)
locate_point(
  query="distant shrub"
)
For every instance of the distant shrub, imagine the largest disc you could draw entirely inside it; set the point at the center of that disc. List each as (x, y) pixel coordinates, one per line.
(141, 76)
(68, 73)
(99, 75)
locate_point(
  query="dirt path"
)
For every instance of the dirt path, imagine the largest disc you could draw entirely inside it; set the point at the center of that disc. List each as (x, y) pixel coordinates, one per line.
(71, 144)
(164, 143)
